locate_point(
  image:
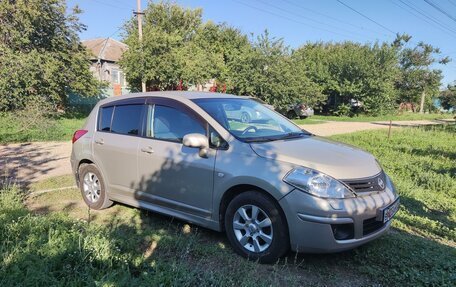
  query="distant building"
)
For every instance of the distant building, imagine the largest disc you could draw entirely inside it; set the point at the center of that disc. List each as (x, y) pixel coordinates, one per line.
(105, 54)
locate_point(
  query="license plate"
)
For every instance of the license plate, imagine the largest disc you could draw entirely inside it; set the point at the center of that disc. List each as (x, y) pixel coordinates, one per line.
(390, 211)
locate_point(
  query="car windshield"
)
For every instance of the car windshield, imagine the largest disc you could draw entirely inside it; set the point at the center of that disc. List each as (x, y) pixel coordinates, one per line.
(249, 120)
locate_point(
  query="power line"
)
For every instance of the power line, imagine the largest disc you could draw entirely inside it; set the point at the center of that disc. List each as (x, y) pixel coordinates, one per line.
(368, 18)
(330, 17)
(110, 36)
(111, 5)
(309, 19)
(423, 17)
(452, 3)
(440, 10)
(288, 18)
(421, 12)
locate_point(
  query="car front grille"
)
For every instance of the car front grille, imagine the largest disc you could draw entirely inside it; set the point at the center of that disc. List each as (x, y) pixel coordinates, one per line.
(371, 225)
(375, 183)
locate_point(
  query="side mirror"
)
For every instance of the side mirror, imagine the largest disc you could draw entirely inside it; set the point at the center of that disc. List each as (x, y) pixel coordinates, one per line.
(197, 141)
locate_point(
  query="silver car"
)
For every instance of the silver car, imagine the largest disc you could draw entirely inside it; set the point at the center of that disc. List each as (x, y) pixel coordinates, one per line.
(300, 110)
(269, 185)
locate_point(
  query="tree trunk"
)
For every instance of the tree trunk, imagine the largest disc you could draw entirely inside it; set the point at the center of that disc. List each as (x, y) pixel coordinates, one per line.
(423, 95)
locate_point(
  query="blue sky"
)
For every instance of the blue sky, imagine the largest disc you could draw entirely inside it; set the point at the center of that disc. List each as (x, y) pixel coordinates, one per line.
(300, 21)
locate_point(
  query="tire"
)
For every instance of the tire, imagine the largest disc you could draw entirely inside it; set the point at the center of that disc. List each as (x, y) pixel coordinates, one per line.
(237, 229)
(303, 117)
(245, 117)
(291, 114)
(93, 188)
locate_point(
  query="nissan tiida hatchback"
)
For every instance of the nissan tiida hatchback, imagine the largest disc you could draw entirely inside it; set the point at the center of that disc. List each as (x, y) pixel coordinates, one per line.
(268, 184)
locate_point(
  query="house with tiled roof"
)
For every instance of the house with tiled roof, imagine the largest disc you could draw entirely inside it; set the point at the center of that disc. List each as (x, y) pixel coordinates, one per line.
(105, 55)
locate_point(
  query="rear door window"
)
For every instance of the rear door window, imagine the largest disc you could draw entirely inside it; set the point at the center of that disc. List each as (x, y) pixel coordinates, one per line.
(105, 116)
(127, 120)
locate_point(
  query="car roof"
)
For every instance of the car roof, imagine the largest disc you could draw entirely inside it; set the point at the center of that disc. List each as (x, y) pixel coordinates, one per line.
(178, 95)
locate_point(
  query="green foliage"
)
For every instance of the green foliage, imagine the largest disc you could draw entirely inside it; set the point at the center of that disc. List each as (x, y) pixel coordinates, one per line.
(266, 70)
(168, 52)
(26, 126)
(417, 72)
(350, 71)
(448, 97)
(41, 55)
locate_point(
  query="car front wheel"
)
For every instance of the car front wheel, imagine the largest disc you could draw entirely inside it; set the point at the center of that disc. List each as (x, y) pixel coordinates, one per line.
(255, 227)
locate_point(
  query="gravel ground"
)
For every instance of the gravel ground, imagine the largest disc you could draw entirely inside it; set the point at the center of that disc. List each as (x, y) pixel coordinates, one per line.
(31, 162)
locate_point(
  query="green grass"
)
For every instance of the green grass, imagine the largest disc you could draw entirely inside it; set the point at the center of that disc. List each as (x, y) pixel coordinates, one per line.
(407, 116)
(61, 129)
(61, 242)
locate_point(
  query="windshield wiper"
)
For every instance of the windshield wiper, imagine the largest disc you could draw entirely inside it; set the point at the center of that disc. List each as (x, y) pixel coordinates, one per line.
(293, 135)
(260, 139)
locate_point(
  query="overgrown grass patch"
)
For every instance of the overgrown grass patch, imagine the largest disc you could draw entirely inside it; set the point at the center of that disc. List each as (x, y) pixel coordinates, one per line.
(59, 129)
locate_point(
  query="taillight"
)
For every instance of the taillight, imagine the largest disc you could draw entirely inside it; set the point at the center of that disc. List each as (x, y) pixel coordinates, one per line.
(78, 134)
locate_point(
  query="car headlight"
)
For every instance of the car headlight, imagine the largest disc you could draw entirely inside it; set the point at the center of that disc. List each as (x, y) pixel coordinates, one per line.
(389, 184)
(317, 183)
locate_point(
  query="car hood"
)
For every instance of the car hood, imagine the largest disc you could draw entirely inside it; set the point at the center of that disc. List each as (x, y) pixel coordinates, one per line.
(338, 160)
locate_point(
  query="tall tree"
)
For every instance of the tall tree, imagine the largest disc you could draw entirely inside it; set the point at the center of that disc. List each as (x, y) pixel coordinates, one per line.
(41, 57)
(419, 81)
(168, 54)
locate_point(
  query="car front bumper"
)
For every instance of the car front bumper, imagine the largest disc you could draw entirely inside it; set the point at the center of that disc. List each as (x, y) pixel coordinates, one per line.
(314, 223)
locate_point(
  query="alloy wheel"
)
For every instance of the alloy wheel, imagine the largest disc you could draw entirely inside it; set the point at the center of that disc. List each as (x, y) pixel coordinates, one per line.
(253, 228)
(91, 187)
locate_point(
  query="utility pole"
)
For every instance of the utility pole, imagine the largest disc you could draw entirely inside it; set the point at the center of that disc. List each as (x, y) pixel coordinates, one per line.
(139, 15)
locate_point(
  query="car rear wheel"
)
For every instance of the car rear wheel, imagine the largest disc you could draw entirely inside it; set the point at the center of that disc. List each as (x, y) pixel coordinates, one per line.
(255, 227)
(92, 186)
(291, 114)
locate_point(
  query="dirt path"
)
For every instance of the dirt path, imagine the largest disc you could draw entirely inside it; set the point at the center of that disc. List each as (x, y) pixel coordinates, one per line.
(31, 162)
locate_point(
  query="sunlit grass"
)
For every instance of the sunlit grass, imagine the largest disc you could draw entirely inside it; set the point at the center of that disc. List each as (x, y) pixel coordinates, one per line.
(61, 129)
(406, 116)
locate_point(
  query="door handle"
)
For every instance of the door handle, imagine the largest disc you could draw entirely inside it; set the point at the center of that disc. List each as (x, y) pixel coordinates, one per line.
(148, 149)
(100, 141)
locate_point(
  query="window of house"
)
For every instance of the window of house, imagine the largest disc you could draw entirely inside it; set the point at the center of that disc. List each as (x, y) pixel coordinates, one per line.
(115, 76)
(121, 78)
